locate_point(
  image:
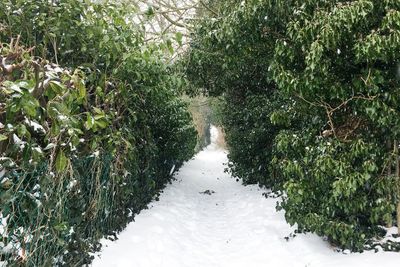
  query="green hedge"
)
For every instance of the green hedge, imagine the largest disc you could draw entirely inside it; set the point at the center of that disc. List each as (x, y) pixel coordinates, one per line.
(87, 143)
(311, 106)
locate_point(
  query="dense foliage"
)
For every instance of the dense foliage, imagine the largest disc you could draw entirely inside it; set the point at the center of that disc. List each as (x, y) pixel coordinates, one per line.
(91, 127)
(228, 57)
(311, 106)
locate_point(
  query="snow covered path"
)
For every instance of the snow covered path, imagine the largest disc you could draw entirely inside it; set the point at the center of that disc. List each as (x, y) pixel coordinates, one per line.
(235, 226)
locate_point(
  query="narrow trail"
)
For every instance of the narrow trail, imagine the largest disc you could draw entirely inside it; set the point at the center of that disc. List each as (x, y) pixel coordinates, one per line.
(232, 226)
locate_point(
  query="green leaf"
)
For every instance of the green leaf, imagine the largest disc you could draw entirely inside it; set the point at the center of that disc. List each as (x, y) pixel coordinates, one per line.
(89, 121)
(102, 123)
(82, 91)
(3, 137)
(178, 37)
(150, 12)
(55, 129)
(97, 110)
(56, 87)
(61, 227)
(12, 86)
(61, 161)
(106, 38)
(30, 106)
(100, 116)
(170, 47)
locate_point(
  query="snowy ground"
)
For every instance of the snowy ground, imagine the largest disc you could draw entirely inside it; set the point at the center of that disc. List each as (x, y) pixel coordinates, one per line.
(235, 226)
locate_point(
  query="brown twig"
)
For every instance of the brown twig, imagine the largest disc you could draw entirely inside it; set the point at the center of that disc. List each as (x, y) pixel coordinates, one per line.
(329, 110)
(15, 52)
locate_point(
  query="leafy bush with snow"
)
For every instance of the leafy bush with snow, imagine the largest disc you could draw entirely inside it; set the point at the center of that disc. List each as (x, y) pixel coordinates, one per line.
(86, 143)
(339, 61)
(314, 89)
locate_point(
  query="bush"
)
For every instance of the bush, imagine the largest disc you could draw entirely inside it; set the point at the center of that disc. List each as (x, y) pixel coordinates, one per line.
(227, 59)
(338, 60)
(86, 145)
(250, 142)
(311, 92)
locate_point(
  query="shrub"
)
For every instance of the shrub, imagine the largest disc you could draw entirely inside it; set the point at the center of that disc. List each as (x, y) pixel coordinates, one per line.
(311, 92)
(229, 57)
(86, 145)
(338, 60)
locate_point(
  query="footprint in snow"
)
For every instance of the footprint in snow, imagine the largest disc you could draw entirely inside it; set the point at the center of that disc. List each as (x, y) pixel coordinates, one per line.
(208, 192)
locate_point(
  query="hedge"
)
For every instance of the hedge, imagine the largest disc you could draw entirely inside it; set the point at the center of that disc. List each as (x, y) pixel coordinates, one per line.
(314, 89)
(92, 127)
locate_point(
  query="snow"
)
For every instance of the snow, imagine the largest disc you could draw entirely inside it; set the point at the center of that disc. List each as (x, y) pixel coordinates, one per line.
(172, 170)
(3, 224)
(18, 142)
(2, 173)
(235, 226)
(72, 184)
(36, 126)
(3, 233)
